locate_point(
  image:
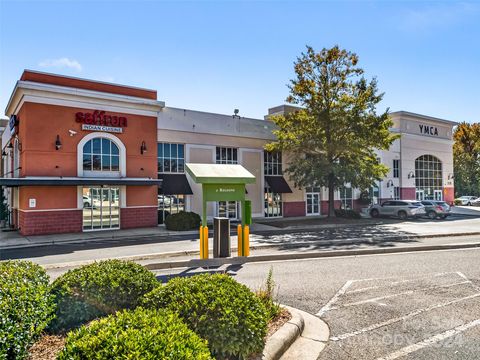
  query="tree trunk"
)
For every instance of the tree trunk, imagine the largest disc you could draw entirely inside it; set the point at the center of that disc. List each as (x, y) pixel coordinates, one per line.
(331, 195)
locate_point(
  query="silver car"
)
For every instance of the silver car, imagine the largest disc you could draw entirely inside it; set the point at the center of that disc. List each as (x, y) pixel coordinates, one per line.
(400, 208)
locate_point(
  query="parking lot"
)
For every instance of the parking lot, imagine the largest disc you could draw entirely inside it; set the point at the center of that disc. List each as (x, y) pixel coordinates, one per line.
(434, 316)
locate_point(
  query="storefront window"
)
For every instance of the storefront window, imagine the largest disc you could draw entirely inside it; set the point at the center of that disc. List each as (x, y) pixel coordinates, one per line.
(171, 158)
(428, 178)
(169, 204)
(346, 197)
(272, 203)
(101, 208)
(226, 155)
(272, 162)
(101, 154)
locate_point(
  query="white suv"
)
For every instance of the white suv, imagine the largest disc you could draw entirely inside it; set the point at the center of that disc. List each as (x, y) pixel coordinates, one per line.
(466, 200)
(401, 208)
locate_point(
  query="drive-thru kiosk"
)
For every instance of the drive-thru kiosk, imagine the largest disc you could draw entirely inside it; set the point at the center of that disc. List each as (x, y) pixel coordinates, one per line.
(223, 182)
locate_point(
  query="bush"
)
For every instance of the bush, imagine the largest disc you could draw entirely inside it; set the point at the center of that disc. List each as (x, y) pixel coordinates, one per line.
(182, 221)
(137, 334)
(26, 307)
(349, 214)
(457, 202)
(217, 308)
(265, 294)
(98, 289)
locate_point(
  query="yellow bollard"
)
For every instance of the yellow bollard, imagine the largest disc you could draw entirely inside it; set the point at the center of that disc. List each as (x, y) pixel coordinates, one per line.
(205, 242)
(239, 241)
(201, 242)
(246, 240)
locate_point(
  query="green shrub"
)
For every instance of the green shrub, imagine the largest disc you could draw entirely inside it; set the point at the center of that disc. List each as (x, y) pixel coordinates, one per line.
(349, 213)
(135, 334)
(98, 289)
(182, 221)
(26, 307)
(457, 202)
(217, 308)
(266, 295)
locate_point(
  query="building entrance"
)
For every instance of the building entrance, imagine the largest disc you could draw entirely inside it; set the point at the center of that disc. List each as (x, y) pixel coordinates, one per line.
(101, 208)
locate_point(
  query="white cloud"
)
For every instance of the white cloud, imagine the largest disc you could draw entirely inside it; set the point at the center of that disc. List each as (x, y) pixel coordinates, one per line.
(62, 63)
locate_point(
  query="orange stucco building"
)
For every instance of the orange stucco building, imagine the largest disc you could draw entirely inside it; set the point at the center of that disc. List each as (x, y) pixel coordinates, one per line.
(79, 168)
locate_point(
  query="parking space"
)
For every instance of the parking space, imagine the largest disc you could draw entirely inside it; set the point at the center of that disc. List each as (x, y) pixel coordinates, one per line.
(425, 316)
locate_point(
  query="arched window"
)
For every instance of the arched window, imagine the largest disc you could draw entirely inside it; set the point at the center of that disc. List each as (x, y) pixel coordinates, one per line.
(428, 178)
(101, 154)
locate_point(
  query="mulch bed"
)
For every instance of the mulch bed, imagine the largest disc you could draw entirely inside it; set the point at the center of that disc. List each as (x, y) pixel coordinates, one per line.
(278, 322)
(46, 348)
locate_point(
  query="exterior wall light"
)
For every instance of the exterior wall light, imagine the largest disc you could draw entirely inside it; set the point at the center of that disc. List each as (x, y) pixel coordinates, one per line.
(58, 144)
(389, 183)
(451, 176)
(411, 175)
(4, 153)
(10, 146)
(143, 148)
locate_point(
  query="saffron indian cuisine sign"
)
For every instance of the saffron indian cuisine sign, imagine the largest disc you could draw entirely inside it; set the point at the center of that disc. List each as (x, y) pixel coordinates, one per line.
(100, 121)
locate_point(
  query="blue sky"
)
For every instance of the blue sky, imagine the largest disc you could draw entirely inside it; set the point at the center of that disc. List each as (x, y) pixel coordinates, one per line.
(217, 56)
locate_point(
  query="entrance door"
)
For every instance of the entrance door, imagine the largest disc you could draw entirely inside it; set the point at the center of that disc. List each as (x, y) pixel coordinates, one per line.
(313, 201)
(420, 195)
(101, 208)
(228, 209)
(437, 195)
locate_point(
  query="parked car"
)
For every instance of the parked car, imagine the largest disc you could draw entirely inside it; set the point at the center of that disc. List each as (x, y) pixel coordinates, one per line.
(475, 202)
(436, 209)
(401, 208)
(466, 200)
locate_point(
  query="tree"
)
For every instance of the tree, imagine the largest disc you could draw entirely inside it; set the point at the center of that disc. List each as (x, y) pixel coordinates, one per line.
(466, 159)
(333, 135)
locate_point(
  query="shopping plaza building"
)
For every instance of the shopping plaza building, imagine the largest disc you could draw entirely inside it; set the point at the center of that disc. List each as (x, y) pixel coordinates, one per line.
(81, 155)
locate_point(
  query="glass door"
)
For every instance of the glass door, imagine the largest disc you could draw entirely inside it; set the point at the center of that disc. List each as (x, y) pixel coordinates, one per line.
(420, 195)
(313, 201)
(437, 195)
(228, 209)
(101, 208)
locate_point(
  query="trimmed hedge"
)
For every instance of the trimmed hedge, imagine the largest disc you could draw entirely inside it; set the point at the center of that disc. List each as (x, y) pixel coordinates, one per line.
(97, 290)
(349, 214)
(182, 221)
(26, 307)
(219, 309)
(137, 334)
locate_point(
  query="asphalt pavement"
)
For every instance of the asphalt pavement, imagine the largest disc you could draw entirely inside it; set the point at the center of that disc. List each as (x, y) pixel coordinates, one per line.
(423, 305)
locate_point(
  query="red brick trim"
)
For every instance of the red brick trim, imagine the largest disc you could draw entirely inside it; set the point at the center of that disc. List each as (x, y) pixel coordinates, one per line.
(49, 222)
(294, 208)
(137, 217)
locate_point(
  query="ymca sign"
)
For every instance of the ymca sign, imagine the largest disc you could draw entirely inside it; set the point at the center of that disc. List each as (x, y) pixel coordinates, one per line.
(428, 130)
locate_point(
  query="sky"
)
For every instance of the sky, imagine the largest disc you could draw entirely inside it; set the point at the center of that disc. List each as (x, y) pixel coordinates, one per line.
(217, 56)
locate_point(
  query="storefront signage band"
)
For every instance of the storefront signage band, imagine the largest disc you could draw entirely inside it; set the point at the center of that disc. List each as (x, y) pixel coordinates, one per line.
(428, 130)
(88, 127)
(101, 119)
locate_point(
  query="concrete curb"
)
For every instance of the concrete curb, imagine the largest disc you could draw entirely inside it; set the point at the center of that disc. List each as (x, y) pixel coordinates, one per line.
(284, 337)
(191, 263)
(311, 341)
(304, 255)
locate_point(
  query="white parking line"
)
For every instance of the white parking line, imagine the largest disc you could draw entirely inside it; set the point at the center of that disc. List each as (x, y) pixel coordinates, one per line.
(335, 297)
(397, 294)
(463, 276)
(430, 341)
(401, 318)
(396, 282)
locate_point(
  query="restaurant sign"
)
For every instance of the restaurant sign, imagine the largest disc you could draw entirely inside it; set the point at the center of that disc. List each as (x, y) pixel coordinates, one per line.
(99, 121)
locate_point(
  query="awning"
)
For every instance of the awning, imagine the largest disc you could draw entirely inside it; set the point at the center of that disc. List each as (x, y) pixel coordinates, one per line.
(175, 184)
(73, 181)
(278, 184)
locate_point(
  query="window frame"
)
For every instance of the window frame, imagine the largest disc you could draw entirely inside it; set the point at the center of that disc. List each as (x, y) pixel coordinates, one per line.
(101, 154)
(177, 159)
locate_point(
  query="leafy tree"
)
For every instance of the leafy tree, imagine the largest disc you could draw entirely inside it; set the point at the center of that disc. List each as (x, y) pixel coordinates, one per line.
(466, 159)
(333, 135)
